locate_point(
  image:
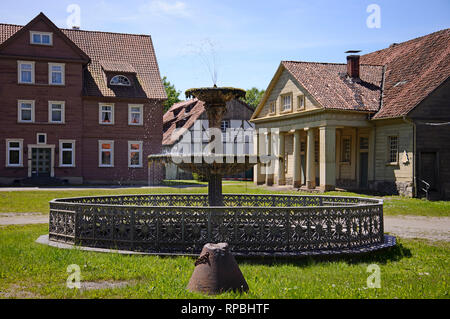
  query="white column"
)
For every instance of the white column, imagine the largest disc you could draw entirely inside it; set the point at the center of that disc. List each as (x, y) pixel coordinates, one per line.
(269, 166)
(281, 163)
(310, 160)
(297, 180)
(327, 158)
(258, 176)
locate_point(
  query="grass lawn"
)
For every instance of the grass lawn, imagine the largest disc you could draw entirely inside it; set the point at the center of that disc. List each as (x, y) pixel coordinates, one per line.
(413, 269)
(37, 200)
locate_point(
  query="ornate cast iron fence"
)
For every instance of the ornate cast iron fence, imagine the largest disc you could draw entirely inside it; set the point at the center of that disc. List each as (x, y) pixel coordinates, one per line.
(251, 224)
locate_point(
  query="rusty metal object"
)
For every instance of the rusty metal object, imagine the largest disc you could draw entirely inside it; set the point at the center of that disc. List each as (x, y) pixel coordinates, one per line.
(217, 271)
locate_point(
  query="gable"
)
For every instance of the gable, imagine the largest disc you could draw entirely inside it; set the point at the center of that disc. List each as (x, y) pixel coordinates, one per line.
(284, 83)
(62, 47)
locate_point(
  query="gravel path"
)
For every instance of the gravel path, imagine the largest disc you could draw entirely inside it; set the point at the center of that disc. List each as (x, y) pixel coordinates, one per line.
(431, 228)
(22, 219)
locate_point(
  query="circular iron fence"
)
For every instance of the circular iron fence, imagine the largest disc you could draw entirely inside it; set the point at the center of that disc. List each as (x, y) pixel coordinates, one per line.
(253, 225)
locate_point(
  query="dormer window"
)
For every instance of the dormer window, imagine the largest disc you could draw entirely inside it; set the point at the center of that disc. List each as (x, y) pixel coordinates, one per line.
(120, 80)
(41, 38)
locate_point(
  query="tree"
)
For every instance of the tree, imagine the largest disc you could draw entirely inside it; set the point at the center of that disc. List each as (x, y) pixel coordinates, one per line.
(172, 94)
(253, 97)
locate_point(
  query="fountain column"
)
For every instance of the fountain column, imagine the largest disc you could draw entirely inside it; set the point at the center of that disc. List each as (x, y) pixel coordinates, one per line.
(215, 116)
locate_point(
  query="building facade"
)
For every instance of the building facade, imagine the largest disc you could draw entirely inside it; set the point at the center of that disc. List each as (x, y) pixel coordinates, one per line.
(189, 117)
(77, 106)
(380, 122)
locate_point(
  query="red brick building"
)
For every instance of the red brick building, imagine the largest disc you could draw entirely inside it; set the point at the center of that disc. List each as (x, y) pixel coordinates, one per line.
(78, 106)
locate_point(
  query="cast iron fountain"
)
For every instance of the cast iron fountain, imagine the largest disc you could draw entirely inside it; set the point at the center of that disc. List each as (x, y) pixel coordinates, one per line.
(252, 225)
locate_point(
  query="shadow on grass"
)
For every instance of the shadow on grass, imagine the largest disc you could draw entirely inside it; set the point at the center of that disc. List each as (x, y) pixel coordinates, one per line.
(392, 254)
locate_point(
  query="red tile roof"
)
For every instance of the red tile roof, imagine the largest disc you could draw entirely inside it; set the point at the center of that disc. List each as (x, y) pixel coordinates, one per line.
(184, 114)
(333, 89)
(414, 69)
(178, 117)
(128, 52)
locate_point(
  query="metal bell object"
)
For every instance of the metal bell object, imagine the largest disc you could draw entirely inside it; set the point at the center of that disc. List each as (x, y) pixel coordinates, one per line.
(216, 271)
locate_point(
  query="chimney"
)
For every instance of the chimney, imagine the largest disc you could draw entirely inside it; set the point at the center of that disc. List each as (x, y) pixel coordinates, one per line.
(353, 64)
(75, 27)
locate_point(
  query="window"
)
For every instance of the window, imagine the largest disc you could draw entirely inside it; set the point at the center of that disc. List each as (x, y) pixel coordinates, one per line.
(346, 150)
(393, 149)
(26, 112)
(364, 143)
(14, 153)
(135, 114)
(120, 80)
(56, 112)
(25, 72)
(224, 126)
(106, 114)
(134, 154)
(41, 138)
(106, 153)
(66, 153)
(272, 108)
(56, 74)
(301, 102)
(42, 38)
(287, 102)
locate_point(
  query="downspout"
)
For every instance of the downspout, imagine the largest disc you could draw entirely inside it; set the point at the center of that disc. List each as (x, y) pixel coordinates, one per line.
(408, 121)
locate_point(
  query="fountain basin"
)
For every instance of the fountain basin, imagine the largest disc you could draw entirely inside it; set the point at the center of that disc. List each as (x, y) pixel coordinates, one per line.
(253, 225)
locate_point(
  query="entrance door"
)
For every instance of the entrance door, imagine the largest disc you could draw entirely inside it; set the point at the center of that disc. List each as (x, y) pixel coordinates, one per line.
(428, 169)
(41, 162)
(364, 168)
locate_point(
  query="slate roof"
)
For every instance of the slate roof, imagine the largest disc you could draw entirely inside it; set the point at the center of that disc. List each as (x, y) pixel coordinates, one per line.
(333, 89)
(414, 69)
(113, 52)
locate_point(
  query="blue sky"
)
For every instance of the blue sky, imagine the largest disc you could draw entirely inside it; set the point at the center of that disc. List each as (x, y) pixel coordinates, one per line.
(244, 40)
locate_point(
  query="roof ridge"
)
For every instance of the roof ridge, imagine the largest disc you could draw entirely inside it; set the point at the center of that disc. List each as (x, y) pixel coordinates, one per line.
(396, 45)
(313, 62)
(80, 30)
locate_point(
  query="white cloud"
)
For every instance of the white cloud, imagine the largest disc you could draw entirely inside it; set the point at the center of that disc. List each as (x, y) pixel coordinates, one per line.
(160, 7)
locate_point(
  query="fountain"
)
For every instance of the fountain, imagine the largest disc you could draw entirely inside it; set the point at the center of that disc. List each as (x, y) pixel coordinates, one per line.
(214, 165)
(252, 225)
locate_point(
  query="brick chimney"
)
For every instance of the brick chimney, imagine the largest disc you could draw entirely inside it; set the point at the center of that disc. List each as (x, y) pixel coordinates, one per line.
(353, 64)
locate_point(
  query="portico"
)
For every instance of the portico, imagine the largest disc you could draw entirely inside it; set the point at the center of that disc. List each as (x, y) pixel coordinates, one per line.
(315, 150)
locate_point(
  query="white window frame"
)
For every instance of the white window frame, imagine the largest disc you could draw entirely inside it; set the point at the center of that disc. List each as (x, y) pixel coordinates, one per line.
(19, 71)
(120, 76)
(62, 149)
(272, 107)
(63, 73)
(134, 151)
(45, 139)
(283, 104)
(19, 111)
(63, 112)
(100, 150)
(20, 149)
(389, 149)
(301, 100)
(141, 112)
(33, 33)
(100, 111)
